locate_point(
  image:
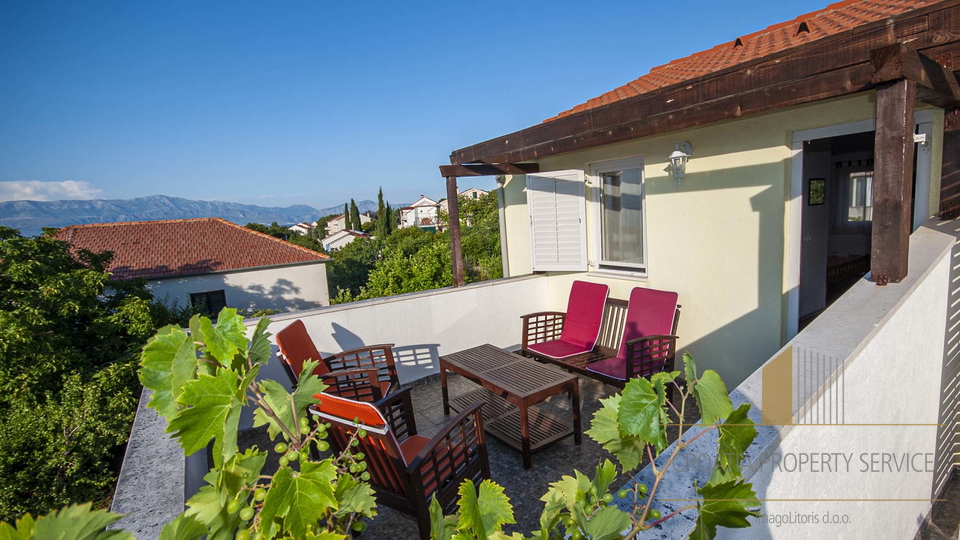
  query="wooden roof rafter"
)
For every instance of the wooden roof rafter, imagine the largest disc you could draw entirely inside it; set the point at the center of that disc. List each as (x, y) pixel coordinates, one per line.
(487, 169)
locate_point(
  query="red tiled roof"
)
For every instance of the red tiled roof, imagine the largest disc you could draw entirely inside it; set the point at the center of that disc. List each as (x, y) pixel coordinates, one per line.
(178, 247)
(834, 19)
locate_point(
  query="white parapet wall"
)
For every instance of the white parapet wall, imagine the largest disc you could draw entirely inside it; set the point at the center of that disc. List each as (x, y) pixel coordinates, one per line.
(860, 458)
(428, 324)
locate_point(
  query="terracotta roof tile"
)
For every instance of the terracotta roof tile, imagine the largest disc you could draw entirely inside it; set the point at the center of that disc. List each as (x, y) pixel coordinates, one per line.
(835, 18)
(178, 247)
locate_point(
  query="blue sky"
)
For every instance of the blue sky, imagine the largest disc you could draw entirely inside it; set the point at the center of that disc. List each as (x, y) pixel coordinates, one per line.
(279, 103)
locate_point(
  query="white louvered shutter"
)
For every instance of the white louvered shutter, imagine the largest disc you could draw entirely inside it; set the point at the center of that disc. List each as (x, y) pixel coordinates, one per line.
(556, 205)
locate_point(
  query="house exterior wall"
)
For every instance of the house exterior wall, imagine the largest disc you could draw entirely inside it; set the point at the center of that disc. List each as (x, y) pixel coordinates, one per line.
(719, 239)
(286, 288)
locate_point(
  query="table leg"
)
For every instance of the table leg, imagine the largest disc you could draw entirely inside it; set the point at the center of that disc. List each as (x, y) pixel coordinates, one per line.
(525, 437)
(575, 403)
(443, 391)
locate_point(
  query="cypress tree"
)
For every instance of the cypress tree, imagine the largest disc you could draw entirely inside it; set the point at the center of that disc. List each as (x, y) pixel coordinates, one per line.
(347, 225)
(355, 216)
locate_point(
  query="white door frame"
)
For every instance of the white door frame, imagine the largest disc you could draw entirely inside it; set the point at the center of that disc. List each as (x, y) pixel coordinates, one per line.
(794, 233)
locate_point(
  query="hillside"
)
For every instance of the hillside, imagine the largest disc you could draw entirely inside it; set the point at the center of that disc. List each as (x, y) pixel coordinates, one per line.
(31, 216)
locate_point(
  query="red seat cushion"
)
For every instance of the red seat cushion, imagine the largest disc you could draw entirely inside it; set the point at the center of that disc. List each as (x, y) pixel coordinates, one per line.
(412, 446)
(584, 314)
(615, 368)
(649, 313)
(297, 347)
(558, 349)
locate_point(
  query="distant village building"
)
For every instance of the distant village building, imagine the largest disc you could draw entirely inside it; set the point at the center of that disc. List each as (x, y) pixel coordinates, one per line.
(336, 223)
(422, 213)
(303, 228)
(469, 193)
(341, 238)
(209, 262)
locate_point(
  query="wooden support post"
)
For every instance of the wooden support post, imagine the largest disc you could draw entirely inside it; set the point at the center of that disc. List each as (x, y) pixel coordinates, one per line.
(892, 181)
(456, 249)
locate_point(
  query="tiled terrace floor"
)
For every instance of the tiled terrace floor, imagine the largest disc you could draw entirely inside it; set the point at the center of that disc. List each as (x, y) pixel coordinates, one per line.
(506, 466)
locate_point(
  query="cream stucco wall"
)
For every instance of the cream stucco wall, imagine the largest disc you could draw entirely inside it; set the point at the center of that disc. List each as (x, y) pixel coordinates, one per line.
(286, 288)
(718, 239)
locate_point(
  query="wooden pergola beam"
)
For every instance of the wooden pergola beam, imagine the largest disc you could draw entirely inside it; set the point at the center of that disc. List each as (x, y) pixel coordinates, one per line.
(892, 181)
(487, 169)
(936, 84)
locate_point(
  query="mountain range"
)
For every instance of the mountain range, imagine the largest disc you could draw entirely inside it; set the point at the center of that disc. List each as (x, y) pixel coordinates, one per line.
(31, 216)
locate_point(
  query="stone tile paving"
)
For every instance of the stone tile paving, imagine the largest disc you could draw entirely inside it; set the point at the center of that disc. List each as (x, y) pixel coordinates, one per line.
(943, 521)
(506, 465)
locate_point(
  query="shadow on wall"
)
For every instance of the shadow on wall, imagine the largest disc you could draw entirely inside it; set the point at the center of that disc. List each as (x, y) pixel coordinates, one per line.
(414, 361)
(240, 288)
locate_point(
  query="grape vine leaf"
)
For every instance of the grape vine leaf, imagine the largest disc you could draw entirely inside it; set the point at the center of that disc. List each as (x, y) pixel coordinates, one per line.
(605, 474)
(724, 505)
(213, 413)
(325, 535)
(300, 498)
(689, 371)
(76, 522)
(641, 413)
(485, 513)
(207, 506)
(168, 362)
(238, 472)
(712, 397)
(278, 399)
(227, 338)
(605, 430)
(735, 436)
(441, 528)
(184, 527)
(260, 343)
(354, 497)
(608, 523)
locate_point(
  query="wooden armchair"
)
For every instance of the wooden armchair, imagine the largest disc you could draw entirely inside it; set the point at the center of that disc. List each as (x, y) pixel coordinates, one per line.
(407, 470)
(649, 341)
(365, 373)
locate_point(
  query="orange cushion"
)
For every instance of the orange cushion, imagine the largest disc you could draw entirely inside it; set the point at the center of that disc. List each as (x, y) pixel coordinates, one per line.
(297, 347)
(412, 446)
(348, 409)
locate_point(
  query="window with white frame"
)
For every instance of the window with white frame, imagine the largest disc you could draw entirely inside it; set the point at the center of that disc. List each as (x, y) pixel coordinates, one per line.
(619, 237)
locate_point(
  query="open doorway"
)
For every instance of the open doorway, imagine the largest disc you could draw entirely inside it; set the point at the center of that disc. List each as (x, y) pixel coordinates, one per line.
(837, 218)
(835, 185)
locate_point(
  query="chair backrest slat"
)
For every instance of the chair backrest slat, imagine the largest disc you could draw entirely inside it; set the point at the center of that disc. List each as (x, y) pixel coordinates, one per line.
(296, 347)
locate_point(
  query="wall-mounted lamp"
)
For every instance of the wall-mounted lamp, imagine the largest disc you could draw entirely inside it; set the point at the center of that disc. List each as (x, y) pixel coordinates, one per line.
(678, 159)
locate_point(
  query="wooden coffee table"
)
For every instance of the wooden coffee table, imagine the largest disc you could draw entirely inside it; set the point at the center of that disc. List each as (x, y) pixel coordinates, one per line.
(511, 385)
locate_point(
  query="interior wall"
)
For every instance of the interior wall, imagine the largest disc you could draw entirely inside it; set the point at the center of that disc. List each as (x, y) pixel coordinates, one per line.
(816, 224)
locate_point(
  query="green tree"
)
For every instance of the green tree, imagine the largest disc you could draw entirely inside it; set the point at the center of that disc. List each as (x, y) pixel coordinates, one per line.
(347, 223)
(382, 227)
(355, 216)
(350, 268)
(69, 339)
(275, 230)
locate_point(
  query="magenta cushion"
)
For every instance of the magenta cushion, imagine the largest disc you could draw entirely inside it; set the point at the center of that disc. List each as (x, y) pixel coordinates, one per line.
(615, 368)
(584, 314)
(558, 349)
(649, 313)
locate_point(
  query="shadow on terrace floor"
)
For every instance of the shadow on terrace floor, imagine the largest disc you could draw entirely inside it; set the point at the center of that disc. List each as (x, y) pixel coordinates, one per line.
(506, 466)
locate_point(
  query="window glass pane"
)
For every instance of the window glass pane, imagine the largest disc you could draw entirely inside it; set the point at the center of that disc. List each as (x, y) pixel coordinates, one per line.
(622, 217)
(861, 197)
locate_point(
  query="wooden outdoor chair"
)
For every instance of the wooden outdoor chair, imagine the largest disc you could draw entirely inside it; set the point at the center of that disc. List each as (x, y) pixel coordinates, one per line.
(365, 373)
(555, 336)
(407, 470)
(649, 341)
(622, 322)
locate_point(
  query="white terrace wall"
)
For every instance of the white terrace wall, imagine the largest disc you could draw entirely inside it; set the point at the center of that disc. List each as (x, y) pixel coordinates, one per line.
(886, 346)
(426, 325)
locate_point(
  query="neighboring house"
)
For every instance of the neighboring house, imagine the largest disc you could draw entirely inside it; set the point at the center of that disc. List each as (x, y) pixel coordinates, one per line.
(302, 228)
(339, 239)
(422, 213)
(209, 262)
(335, 224)
(470, 193)
(774, 204)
